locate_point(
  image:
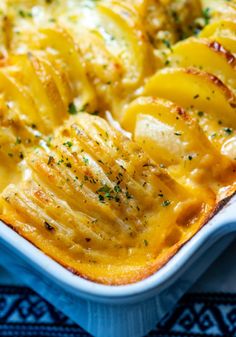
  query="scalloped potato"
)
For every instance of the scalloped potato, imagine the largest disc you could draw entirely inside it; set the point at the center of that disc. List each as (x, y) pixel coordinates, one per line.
(113, 197)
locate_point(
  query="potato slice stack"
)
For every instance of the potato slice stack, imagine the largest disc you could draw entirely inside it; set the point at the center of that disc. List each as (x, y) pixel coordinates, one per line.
(193, 98)
(95, 202)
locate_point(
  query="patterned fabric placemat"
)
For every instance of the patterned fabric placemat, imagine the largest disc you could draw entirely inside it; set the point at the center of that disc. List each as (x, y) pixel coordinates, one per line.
(25, 314)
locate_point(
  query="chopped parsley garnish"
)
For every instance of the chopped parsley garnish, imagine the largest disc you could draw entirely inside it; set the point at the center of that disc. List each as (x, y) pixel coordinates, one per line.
(18, 140)
(206, 15)
(166, 203)
(24, 14)
(105, 189)
(101, 198)
(68, 144)
(167, 43)
(85, 160)
(106, 192)
(117, 189)
(72, 109)
(200, 113)
(167, 62)
(228, 131)
(128, 196)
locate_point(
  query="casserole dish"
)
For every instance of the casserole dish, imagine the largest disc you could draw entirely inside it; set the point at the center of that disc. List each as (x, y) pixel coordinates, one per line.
(113, 310)
(110, 209)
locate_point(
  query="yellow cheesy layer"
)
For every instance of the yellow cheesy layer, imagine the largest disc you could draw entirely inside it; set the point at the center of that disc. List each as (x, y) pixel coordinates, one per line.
(113, 197)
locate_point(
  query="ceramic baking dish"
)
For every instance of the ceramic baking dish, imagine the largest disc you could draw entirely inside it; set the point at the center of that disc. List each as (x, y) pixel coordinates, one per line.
(115, 311)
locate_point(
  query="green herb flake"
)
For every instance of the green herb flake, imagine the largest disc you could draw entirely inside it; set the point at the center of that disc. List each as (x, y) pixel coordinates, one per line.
(166, 203)
(101, 198)
(145, 243)
(200, 113)
(72, 109)
(68, 144)
(24, 14)
(105, 189)
(228, 131)
(128, 196)
(206, 15)
(167, 43)
(18, 140)
(85, 160)
(117, 189)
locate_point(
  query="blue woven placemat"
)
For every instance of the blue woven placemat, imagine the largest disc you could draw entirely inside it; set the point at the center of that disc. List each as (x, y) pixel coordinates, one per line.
(25, 314)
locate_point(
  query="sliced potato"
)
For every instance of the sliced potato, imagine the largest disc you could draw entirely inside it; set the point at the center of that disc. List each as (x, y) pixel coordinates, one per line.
(222, 31)
(128, 41)
(104, 69)
(63, 47)
(223, 27)
(206, 55)
(203, 95)
(11, 153)
(18, 100)
(197, 89)
(34, 75)
(168, 134)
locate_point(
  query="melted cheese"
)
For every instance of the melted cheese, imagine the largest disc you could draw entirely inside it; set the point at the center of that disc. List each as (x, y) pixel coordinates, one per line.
(109, 208)
(94, 199)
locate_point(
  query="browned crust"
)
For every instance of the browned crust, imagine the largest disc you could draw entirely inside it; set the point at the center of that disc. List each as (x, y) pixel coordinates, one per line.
(218, 48)
(213, 79)
(150, 270)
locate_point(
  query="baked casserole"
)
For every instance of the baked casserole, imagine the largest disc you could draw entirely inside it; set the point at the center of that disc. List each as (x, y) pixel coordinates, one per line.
(118, 128)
